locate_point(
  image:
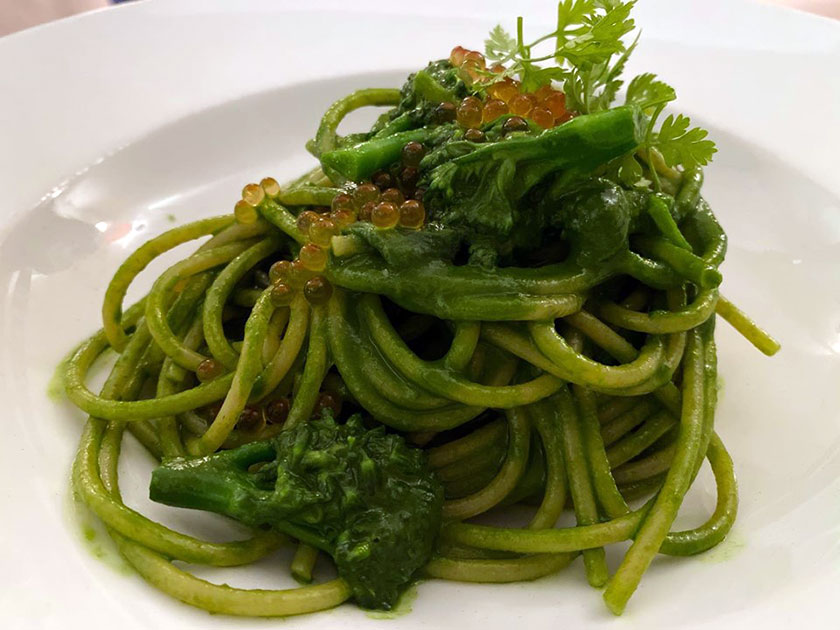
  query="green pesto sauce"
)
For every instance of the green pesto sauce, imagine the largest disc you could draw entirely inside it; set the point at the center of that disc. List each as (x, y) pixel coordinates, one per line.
(732, 545)
(55, 387)
(92, 534)
(171, 218)
(403, 606)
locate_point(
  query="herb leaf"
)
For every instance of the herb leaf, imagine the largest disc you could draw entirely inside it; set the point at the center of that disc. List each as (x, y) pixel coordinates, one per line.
(680, 145)
(535, 77)
(500, 45)
(646, 91)
(587, 36)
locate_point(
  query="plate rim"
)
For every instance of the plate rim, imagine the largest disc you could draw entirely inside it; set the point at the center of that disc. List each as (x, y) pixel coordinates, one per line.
(7, 220)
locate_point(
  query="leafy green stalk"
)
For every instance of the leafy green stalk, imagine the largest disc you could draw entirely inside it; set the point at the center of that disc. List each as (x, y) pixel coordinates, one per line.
(364, 497)
(359, 161)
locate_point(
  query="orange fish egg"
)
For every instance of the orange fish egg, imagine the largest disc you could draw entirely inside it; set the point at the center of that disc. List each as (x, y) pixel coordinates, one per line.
(412, 214)
(504, 90)
(456, 57)
(469, 113)
(542, 117)
(493, 109)
(313, 257)
(555, 103)
(522, 104)
(385, 215)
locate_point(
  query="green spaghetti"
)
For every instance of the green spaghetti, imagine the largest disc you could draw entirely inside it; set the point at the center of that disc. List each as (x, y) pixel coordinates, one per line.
(504, 292)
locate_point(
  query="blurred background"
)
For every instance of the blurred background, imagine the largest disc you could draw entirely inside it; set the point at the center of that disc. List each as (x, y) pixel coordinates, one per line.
(16, 15)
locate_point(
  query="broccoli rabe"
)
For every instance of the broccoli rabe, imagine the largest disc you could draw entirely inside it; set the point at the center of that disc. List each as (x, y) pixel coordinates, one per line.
(362, 496)
(438, 82)
(485, 192)
(597, 218)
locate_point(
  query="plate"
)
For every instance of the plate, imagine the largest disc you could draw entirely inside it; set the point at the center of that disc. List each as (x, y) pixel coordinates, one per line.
(119, 122)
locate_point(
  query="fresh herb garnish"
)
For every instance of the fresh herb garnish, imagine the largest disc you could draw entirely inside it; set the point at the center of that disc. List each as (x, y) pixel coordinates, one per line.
(682, 145)
(589, 56)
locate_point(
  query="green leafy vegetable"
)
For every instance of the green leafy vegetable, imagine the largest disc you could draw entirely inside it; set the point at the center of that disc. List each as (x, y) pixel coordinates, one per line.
(597, 219)
(484, 192)
(406, 249)
(364, 497)
(424, 90)
(427, 87)
(358, 161)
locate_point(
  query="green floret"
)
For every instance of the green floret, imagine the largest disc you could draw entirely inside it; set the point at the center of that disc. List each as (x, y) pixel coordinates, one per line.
(364, 497)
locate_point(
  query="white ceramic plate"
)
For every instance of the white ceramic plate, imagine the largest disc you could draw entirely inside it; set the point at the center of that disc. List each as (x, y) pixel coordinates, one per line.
(115, 121)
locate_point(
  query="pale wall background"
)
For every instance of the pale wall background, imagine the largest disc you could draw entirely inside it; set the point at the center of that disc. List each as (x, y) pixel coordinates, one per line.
(16, 15)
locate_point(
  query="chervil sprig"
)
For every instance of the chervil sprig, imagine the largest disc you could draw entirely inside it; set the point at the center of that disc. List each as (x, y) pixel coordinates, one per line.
(681, 145)
(589, 57)
(587, 36)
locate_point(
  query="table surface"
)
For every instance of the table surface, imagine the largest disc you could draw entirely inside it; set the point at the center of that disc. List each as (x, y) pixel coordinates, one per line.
(16, 15)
